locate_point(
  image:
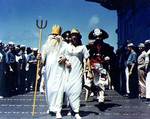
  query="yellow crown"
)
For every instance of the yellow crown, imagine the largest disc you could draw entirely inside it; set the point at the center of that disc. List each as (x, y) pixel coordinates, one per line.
(56, 29)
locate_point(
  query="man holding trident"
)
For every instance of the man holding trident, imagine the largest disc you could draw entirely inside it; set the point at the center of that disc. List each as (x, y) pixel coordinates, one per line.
(53, 54)
(40, 26)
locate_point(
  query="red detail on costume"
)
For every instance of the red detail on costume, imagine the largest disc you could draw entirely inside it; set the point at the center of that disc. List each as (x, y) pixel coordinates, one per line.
(95, 59)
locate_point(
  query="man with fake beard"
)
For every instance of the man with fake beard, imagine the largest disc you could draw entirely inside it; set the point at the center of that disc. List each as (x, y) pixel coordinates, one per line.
(53, 54)
(63, 70)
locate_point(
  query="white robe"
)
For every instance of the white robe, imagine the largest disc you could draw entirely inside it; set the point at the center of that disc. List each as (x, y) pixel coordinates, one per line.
(59, 78)
(55, 74)
(73, 84)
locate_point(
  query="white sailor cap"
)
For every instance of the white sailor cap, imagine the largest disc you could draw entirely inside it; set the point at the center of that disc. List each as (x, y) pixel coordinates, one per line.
(22, 46)
(34, 49)
(10, 43)
(107, 58)
(0, 41)
(17, 48)
(141, 45)
(147, 41)
(130, 45)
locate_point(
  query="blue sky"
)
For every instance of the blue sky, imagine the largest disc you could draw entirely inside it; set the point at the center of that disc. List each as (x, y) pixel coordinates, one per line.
(17, 19)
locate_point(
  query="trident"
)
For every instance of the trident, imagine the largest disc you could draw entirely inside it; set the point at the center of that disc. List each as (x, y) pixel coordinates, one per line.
(40, 26)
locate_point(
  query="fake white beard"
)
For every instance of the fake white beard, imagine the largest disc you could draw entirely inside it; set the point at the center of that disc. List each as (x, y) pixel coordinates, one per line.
(52, 44)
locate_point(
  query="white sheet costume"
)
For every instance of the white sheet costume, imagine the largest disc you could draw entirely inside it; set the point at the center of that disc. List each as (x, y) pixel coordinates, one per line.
(73, 84)
(58, 77)
(55, 72)
(101, 78)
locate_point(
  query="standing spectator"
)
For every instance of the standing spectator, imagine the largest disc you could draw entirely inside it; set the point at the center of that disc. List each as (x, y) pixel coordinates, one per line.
(132, 81)
(121, 57)
(147, 62)
(2, 70)
(32, 62)
(11, 75)
(18, 57)
(22, 62)
(28, 81)
(141, 71)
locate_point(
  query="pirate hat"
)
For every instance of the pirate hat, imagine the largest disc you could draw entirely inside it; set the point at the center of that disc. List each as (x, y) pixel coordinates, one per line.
(66, 33)
(97, 32)
(141, 45)
(35, 49)
(147, 41)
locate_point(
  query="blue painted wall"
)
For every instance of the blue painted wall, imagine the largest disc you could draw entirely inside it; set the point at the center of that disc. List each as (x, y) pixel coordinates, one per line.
(134, 22)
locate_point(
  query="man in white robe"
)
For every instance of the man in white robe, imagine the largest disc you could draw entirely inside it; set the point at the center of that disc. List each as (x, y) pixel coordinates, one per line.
(53, 53)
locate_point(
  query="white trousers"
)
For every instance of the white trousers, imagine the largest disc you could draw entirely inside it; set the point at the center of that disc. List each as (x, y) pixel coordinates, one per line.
(127, 80)
(148, 85)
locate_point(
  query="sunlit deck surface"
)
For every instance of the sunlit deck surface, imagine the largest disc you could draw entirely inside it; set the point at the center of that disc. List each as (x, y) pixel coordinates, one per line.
(115, 107)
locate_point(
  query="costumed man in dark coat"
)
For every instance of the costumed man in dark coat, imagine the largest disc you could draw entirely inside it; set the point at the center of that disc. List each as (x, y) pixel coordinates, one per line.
(107, 52)
(2, 70)
(100, 51)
